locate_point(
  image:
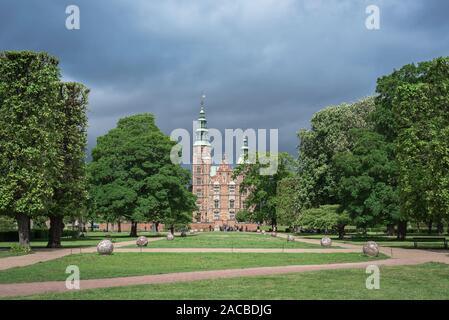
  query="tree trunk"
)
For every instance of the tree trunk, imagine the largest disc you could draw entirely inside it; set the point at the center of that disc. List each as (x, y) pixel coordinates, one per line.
(390, 230)
(23, 223)
(440, 227)
(107, 226)
(157, 226)
(172, 229)
(119, 226)
(92, 226)
(402, 230)
(55, 232)
(429, 227)
(341, 231)
(133, 232)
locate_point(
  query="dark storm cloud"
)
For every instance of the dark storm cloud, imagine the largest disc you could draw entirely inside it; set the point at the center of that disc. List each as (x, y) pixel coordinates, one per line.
(263, 64)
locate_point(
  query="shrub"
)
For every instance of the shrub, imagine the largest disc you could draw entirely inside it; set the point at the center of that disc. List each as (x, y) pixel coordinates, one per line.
(18, 249)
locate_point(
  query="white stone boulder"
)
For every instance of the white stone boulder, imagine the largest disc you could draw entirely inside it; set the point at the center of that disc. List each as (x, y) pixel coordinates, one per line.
(105, 247)
(326, 242)
(290, 238)
(170, 236)
(142, 241)
(274, 234)
(371, 249)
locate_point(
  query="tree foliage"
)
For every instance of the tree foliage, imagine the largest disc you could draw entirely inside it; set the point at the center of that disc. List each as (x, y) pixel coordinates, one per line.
(29, 115)
(132, 176)
(324, 218)
(261, 190)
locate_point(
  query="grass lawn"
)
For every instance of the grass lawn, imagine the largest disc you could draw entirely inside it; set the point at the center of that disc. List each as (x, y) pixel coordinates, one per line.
(94, 266)
(229, 240)
(427, 281)
(386, 241)
(91, 239)
(5, 254)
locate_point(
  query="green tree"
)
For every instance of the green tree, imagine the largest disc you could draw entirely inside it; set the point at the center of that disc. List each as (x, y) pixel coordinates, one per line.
(261, 190)
(29, 115)
(421, 112)
(366, 181)
(132, 176)
(325, 218)
(329, 134)
(243, 216)
(287, 209)
(70, 194)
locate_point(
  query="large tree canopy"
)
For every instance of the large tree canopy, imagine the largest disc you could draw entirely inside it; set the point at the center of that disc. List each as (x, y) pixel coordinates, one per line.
(421, 112)
(366, 181)
(132, 176)
(70, 195)
(328, 135)
(261, 190)
(30, 161)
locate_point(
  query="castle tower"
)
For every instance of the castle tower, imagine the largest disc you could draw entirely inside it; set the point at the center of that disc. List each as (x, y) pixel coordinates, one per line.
(201, 165)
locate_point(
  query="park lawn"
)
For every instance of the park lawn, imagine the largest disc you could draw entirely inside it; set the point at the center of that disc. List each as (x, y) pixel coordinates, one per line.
(426, 281)
(5, 254)
(91, 239)
(230, 240)
(385, 241)
(93, 266)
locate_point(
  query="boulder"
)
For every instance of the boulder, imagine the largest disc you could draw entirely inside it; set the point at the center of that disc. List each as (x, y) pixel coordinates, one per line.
(274, 234)
(105, 247)
(371, 249)
(290, 238)
(170, 236)
(183, 234)
(326, 242)
(142, 241)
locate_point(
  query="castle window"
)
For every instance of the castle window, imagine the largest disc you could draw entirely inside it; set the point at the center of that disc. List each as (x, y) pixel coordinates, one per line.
(216, 215)
(198, 180)
(216, 189)
(231, 204)
(216, 204)
(199, 193)
(198, 169)
(231, 215)
(231, 188)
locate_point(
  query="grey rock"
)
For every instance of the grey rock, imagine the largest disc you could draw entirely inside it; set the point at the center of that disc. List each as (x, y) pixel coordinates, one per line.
(170, 236)
(142, 241)
(183, 234)
(274, 234)
(326, 242)
(290, 238)
(371, 249)
(105, 247)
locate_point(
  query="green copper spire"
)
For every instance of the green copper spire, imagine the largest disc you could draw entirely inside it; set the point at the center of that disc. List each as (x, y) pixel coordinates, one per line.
(201, 132)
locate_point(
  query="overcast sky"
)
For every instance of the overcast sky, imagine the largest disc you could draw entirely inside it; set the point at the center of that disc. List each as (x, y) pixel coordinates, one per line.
(262, 63)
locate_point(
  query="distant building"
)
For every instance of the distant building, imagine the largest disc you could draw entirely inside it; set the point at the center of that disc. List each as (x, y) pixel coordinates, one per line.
(218, 194)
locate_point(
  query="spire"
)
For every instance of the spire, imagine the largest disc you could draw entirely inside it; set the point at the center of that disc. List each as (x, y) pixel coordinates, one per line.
(201, 132)
(245, 149)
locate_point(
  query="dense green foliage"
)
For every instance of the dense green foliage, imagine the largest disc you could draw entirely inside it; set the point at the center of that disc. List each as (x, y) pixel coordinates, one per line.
(133, 178)
(384, 160)
(324, 218)
(367, 174)
(261, 189)
(29, 135)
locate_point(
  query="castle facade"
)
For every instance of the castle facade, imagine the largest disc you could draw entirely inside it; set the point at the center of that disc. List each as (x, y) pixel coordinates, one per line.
(218, 193)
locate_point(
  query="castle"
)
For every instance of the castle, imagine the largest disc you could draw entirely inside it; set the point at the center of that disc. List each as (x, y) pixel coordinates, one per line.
(218, 193)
